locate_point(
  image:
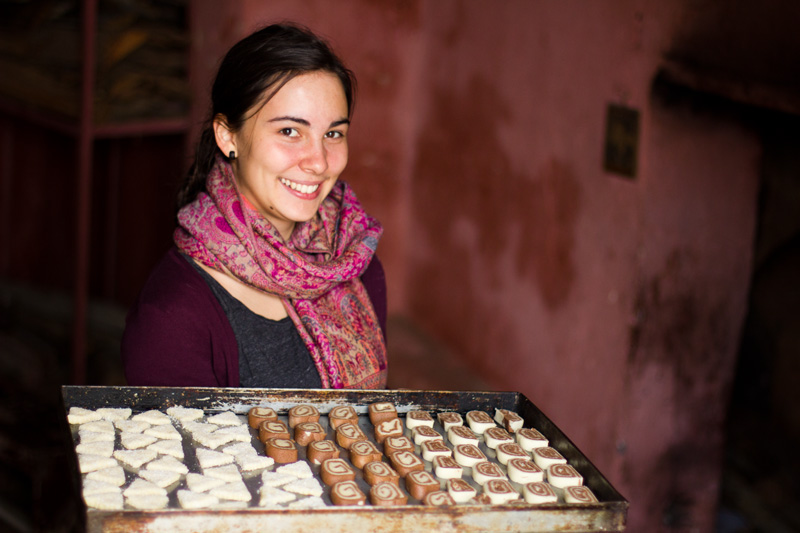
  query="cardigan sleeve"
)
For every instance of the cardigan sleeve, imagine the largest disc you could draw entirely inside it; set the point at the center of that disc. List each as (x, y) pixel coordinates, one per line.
(176, 334)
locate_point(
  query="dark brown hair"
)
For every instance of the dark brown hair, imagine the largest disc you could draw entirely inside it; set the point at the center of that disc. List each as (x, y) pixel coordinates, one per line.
(251, 72)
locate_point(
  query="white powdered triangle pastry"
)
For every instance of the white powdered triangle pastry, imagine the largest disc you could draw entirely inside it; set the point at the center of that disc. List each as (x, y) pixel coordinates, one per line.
(202, 483)
(147, 501)
(249, 463)
(135, 441)
(240, 448)
(185, 414)
(163, 431)
(114, 475)
(167, 464)
(173, 448)
(196, 500)
(160, 478)
(90, 463)
(135, 458)
(226, 418)
(86, 437)
(309, 502)
(275, 479)
(299, 469)
(307, 487)
(100, 447)
(152, 417)
(235, 490)
(79, 415)
(131, 426)
(271, 496)
(98, 426)
(211, 458)
(106, 501)
(112, 414)
(239, 433)
(142, 487)
(228, 473)
(91, 486)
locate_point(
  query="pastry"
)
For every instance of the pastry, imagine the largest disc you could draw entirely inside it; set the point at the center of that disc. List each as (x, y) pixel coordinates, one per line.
(433, 448)
(486, 471)
(509, 420)
(281, 450)
(275, 479)
(341, 414)
(335, 470)
(468, 454)
(479, 421)
(387, 494)
(379, 472)
(510, 450)
(439, 497)
(462, 435)
(481, 499)
(227, 473)
(225, 418)
(494, 436)
(250, 462)
(134, 441)
(235, 490)
(311, 502)
(397, 444)
(91, 486)
(347, 493)
(153, 417)
(450, 419)
(415, 419)
(161, 478)
(318, 451)
(79, 415)
(562, 476)
(299, 469)
(173, 448)
(211, 458)
(303, 413)
(544, 457)
(446, 467)
(131, 426)
(239, 433)
(142, 487)
(500, 491)
(135, 458)
(97, 426)
(94, 436)
(202, 483)
(273, 430)
(579, 494)
(347, 434)
(405, 462)
(380, 411)
(530, 439)
(306, 432)
(524, 471)
(189, 499)
(240, 448)
(148, 502)
(363, 452)
(307, 487)
(539, 492)
(212, 439)
(185, 414)
(272, 496)
(163, 432)
(460, 490)
(90, 462)
(259, 414)
(423, 433)
(168, 464)
(419, 483)
(106, 501)
(114, 475)
(100, 447)
(388, 428)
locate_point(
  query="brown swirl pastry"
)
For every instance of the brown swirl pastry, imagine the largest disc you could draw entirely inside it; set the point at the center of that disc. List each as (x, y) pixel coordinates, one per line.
(303, 413)
(363, 452)
(388, 428)
(379, 472)
(341, 414)
(281, 450)
(405, 462)
(347, 493)
(256, 415)
(318, 451)
(306, 432)
(387, 494)
(397, 444)
(419, 483)
(380, 411)
(347, 434)
(336, 470)
(438, 497)
(273, 430)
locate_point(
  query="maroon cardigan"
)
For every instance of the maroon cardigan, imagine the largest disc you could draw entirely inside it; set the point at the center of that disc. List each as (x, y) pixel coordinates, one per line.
(177, 334)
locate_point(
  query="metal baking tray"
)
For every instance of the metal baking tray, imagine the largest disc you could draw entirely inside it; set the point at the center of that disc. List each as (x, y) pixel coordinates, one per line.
(609, 514)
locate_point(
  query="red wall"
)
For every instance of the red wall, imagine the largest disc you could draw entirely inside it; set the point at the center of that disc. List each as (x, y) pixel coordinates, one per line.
(614, 304)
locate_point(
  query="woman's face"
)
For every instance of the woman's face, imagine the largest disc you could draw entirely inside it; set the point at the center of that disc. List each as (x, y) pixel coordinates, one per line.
(291, 152)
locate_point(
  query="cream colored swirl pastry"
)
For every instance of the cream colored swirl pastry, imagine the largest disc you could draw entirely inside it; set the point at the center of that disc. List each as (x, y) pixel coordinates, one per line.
(510, 450)
(388, 428)
(539, 492)
(479, 421)
(415, 419)
(494, 436)
(450, 419)
(438, 497)
(380, 411)
(562, 476)
(468, 454)
(524, 471)
(544, 457)
(462, 435)
(500, 491)
(341, 414)
(531, 439)
(387, 494)
(460, 490)
(379, 472)
(509, 420)
(434, 448)
(347, 493)
(423, 433)
(335, 470)
(579, 494)
(445, 467)
(303, 413)
(405, 462)
(485, 471)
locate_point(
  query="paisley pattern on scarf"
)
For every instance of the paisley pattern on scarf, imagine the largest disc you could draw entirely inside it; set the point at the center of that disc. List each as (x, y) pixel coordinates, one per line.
(316, 274)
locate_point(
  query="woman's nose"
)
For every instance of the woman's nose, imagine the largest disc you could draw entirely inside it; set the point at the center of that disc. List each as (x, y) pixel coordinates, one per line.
(315, 159)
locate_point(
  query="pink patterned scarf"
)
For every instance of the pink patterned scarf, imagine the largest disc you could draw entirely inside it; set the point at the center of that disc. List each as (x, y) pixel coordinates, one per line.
(316, 274)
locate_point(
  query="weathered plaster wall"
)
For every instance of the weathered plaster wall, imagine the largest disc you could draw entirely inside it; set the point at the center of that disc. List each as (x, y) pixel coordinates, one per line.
(614, 304)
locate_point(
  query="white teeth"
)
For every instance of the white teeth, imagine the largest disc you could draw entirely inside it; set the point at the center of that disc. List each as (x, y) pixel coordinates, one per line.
(305, 189)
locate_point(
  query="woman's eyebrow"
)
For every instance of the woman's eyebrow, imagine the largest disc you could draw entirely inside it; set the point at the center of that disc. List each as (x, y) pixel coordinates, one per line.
(304, 122)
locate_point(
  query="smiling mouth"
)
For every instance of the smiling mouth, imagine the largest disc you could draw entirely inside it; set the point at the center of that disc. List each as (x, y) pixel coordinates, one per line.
(299, 187)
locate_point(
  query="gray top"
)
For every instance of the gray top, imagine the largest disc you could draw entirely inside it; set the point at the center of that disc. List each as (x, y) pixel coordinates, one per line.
(271, 352)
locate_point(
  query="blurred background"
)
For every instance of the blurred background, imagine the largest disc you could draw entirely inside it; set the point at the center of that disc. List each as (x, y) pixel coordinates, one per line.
(596, 204)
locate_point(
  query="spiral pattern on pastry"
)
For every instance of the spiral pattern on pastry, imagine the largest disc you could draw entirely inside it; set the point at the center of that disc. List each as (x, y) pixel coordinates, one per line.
(347, 493)
(579, 494)
(341, 414)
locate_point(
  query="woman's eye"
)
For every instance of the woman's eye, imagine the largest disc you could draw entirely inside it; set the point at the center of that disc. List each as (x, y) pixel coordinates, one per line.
(289, 132)
(334, 135)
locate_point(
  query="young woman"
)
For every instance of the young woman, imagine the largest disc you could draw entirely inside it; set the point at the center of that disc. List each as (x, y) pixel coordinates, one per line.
(273, 280)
